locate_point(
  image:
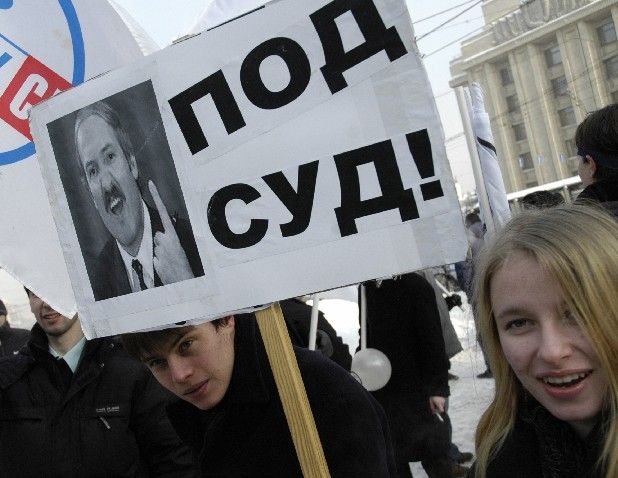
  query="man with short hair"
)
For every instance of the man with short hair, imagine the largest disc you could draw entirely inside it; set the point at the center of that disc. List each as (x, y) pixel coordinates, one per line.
(76, 407)
(231, 414)
(597, 147)
(11, 340)
(148, 248)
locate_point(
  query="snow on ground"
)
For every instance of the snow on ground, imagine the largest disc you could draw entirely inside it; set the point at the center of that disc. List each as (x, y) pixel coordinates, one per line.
(469, 395)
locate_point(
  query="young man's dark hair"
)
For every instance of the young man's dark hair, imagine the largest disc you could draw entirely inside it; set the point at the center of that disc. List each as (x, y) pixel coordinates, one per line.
(231, 414)
(597, 146)
(141, 345)
(597, 137)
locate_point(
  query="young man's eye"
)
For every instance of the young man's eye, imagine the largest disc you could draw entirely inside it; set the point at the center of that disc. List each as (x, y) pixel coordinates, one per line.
(155, 363)
(91, 172)
(185, 345)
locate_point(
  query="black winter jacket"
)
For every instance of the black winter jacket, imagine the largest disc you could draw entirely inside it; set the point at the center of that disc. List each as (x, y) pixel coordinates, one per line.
(246, 435)
(605, 192)
(110, 421)
(297, 317)
(403, 322)
(11, 340)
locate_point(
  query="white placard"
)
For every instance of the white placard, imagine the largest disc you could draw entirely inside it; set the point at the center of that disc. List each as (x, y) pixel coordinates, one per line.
(295, 149)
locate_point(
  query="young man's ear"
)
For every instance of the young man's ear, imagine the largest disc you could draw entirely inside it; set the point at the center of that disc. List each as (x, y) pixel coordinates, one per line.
(587, 169)
(592, 164)
(228, 321)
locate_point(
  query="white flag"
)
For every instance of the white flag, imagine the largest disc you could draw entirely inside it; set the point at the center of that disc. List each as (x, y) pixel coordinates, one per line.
(46, 47)
(492, 176)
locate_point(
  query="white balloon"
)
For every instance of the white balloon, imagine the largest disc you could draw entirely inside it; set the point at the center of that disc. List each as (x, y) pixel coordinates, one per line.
(372, 368)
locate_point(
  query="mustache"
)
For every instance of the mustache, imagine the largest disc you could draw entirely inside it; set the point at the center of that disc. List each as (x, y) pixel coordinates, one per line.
(109, 194)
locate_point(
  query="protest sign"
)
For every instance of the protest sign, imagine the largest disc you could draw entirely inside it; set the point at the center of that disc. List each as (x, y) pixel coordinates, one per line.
(293, 150)
(45, 46)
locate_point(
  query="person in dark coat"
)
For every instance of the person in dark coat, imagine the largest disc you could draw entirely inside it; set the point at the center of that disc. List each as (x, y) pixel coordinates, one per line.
(11, 340)
(403, 322)
(297, 317)
(76, 407)
(231, 414)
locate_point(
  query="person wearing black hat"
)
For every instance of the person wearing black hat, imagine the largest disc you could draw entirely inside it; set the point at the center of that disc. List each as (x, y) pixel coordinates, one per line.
(11, 340)
(597, 146)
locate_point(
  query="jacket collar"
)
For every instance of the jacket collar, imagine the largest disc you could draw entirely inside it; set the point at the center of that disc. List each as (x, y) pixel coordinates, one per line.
(251, 375)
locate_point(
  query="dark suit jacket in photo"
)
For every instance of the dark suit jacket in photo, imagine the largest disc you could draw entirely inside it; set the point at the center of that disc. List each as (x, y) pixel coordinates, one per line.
(110, 278)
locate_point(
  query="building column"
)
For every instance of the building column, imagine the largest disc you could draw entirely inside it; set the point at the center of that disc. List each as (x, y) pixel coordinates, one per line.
(507, 156)
(583, 69)
(615, 17)
(529, 94)
(545, 98)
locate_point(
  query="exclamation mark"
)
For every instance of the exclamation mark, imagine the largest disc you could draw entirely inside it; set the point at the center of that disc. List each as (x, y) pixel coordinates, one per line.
(420, 147)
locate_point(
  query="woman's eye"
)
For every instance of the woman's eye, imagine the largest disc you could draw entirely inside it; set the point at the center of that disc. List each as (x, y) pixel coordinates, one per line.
(516, 324)
(568, 315)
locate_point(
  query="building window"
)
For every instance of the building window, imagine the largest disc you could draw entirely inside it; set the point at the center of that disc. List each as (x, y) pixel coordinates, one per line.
(520, 132)
(567, 116)
(552, 56)
(606, 33)
(506, 75)
(570, 148)
(512, 104)
(611, 67)
(525, 161)
(559, 86)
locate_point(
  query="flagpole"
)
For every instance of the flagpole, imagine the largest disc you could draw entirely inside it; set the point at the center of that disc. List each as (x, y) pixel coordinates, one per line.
(481, 191)
(313, 325)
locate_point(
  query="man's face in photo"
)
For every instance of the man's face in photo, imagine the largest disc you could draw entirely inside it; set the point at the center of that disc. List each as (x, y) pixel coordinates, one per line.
(111, 177)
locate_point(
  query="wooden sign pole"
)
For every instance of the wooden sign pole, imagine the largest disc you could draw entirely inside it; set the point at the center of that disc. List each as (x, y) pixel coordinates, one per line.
(292, 392)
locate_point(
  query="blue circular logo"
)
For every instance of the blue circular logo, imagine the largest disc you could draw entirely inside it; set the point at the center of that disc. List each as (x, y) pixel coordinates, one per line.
(79, 63)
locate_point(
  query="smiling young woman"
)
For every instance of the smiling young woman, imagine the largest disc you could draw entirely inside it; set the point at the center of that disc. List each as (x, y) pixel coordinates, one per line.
(548, 310)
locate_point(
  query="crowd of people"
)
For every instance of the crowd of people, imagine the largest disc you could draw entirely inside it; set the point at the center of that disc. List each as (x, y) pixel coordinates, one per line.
(201, 400)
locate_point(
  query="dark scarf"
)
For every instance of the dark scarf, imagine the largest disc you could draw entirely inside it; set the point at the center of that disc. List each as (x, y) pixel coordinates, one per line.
(563, 453)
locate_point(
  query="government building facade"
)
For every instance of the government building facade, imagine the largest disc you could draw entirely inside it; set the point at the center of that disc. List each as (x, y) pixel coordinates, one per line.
(543, 65)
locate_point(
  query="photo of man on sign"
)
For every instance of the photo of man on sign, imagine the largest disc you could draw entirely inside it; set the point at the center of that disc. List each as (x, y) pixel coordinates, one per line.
(148, 242)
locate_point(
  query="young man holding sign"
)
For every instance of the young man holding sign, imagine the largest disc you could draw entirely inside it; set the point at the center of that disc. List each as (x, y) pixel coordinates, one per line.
(231, 414)
(147, 248)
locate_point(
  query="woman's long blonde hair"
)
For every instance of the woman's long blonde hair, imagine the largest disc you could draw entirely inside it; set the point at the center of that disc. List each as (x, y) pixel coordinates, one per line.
(578, 246)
